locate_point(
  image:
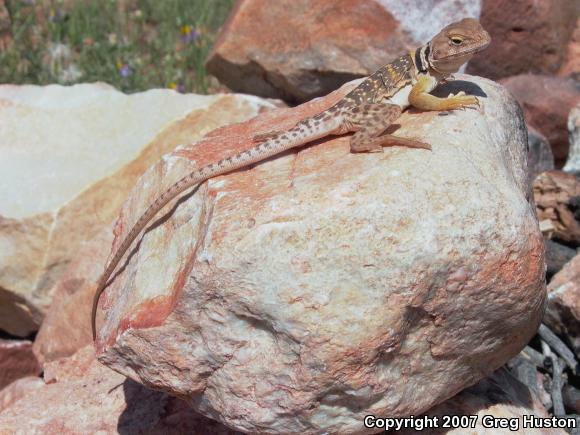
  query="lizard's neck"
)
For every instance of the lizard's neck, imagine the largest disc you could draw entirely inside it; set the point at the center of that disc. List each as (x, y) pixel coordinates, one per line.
(423, 65)
(420, 58)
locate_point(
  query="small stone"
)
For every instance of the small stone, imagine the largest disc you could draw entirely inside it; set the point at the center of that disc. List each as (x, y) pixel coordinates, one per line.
(16, 361)
(563, 312)
(557, 196)
(540, 156)
(573, 162)
(557, 255)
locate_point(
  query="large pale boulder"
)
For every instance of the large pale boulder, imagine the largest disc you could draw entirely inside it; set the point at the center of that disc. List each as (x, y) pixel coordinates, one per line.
(300, 49)
(317, 287)
(68, 157)
(82, 396)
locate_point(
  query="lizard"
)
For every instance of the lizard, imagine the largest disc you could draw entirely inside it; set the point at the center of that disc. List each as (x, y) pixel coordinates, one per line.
(368, 110)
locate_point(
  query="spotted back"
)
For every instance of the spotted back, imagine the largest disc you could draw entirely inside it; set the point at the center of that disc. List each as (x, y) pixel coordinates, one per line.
(384, 83)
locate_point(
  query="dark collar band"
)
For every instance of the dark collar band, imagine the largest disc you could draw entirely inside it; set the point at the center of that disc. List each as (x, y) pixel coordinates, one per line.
(421, 56)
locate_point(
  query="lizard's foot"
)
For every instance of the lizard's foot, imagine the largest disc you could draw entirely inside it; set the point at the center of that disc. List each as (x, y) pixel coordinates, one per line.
(369, 122)
(460, 101)
(389, 140)
(366, 148)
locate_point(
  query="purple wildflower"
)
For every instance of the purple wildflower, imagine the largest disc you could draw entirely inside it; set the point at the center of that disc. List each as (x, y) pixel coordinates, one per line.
(189, 34)
(125, 71)
(55, 15)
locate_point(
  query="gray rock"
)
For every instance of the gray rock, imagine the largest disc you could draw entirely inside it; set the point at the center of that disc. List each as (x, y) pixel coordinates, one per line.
(573, 162)
(540, 156)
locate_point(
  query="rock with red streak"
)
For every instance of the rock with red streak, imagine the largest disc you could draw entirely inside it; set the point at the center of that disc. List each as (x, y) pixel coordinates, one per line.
(563, 313)
(383, 271)
(528, 36)
(547, 102)
(82, 396)
(557, 198)
(300, 49)
(19, 389)
(16, 361)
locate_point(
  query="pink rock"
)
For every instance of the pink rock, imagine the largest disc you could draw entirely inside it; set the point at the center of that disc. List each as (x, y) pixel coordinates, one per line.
(16, 361)
(563, 313)
(547, 101)
(300, 49)
(66, 327)
(19, 389)
(317, 287)
(527, 36)
(572, 64)
(82, 396)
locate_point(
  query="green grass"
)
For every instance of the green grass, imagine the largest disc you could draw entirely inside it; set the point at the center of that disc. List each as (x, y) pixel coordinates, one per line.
(132, 44)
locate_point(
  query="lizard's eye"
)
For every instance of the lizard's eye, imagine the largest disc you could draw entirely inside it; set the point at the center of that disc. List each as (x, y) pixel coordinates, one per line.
(455, 40)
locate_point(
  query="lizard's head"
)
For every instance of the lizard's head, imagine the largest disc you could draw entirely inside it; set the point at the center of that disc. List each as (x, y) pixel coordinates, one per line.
(456, 44)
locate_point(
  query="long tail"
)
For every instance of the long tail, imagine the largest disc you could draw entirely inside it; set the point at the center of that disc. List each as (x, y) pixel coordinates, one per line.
(305, 131)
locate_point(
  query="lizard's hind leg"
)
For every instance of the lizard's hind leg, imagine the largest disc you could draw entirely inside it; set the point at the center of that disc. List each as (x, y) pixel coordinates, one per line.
(369, 121)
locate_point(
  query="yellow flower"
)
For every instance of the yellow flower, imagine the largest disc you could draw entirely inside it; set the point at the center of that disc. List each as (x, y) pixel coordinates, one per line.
(172, 85)
(185, 29)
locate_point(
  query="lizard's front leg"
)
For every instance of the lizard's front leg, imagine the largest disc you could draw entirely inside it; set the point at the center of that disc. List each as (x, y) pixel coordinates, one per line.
(369, 121)
(421, 99)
